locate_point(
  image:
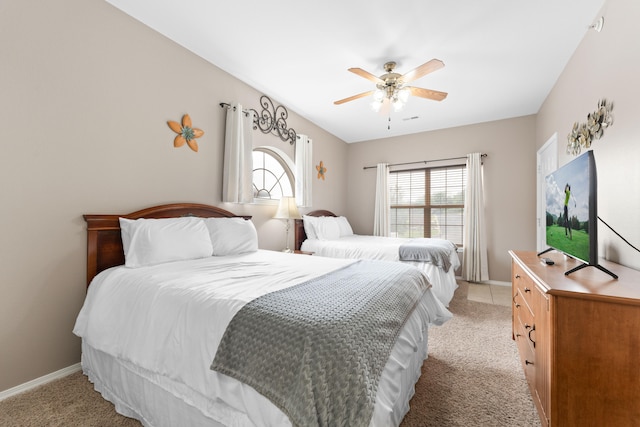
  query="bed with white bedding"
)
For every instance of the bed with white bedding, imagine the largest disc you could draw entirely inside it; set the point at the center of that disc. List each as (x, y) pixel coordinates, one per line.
(316, 233)
(153, 320)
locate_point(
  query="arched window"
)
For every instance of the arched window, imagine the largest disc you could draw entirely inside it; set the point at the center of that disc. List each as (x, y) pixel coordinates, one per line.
(273, 175)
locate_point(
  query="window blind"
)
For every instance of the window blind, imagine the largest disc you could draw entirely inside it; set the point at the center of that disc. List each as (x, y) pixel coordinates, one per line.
(428, 202)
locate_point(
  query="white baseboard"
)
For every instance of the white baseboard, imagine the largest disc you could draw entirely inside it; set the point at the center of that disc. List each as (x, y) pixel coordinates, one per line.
(40, 381)
(489, 282)
(497, 282)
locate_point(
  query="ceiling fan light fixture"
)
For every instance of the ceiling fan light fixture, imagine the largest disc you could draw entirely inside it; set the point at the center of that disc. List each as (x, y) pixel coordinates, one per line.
(398, 105)
(399, 98)
(403, 94)
(378, 95)
(377, 105)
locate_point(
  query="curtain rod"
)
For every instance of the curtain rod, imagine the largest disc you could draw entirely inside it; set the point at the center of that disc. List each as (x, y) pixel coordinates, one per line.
(226, 105)
(423, 161)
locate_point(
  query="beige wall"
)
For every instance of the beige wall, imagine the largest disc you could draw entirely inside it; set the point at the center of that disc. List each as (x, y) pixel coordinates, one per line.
(605, 65)
(85, 93)
(509, 179)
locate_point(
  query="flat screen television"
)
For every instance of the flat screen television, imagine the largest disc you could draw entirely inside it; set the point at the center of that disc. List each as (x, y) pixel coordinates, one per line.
(572, 212)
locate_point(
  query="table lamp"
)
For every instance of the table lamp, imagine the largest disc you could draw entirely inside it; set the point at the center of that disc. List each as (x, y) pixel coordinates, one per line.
(287, 210)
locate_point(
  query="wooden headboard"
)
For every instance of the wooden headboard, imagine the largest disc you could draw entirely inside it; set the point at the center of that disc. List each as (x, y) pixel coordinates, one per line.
(104, 243)
(300, 235)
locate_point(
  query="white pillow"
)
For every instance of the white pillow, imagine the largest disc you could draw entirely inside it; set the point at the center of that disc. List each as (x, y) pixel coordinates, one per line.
(345, 227)
(154, 241)
(231, 236)
(309, 226)
(327, 228)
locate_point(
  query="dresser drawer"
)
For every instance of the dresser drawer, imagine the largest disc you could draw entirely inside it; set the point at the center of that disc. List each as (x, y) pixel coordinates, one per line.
(523, 286)
(524, 326)
(527, 357)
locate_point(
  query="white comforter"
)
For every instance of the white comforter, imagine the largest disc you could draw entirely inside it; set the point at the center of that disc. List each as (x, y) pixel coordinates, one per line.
(386, 249)
(359, 246)
(168, 319)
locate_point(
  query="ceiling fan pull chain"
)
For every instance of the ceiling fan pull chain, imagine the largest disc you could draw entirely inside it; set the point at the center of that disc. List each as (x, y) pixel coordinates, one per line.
(389, 122)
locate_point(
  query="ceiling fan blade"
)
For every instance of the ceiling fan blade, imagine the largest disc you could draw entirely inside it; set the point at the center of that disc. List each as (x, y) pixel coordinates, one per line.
(351, 98)
(423, 70)
(427, 93)
(367, 75)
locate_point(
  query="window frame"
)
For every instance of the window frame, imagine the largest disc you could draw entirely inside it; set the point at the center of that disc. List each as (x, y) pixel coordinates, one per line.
(287, 165)
(427, 205)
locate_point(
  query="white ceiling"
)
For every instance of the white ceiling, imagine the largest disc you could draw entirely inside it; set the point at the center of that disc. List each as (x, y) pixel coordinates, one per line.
(502, 57)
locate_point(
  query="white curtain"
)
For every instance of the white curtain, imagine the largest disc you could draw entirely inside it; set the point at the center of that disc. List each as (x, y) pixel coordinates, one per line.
(381, 218)
(474, 255)
(304, 171)
(237, 179)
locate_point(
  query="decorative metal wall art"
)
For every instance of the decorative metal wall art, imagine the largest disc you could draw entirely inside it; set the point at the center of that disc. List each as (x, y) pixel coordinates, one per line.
(582, 134)
(273, 120)
(186, 133)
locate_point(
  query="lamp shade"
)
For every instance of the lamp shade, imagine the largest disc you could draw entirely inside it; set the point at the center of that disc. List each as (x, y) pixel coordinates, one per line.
(287, 209)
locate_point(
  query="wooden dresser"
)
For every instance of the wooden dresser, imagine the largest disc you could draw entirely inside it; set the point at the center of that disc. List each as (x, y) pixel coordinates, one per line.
(579, 340)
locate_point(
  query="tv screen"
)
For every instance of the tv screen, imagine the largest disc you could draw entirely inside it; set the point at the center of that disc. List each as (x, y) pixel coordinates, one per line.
(571, 214)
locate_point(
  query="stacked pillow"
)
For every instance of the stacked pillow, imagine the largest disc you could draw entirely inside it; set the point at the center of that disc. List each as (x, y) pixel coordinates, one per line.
(326, 227)
(154, 241)
(231, 236)
(309, 226)
(345, 227)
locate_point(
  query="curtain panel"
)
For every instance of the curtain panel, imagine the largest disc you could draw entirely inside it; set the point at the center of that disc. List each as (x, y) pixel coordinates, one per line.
(304, 170)
(382, 207)
(474, 254)
(237, 180)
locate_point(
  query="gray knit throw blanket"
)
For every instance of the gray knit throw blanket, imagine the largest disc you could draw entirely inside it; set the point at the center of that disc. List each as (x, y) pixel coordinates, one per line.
(434, 251)
(317, 349)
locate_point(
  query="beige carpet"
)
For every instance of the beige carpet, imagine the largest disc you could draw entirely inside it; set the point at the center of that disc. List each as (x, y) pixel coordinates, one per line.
(471, 378)
(473, 375)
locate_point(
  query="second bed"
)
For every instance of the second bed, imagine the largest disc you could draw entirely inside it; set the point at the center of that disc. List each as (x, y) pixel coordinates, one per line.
(328, 235)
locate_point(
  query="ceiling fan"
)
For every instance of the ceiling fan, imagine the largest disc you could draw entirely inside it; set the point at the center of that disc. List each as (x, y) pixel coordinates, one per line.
(393, 86)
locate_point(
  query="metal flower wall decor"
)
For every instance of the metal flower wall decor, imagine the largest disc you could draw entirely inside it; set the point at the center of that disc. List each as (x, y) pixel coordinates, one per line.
(186, 133)
(582, 134)
(321, 170)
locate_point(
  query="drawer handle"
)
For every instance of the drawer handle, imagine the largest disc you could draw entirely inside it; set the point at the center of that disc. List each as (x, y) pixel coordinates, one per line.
(517, 276)
(526, 362)
(527, 326)
(531, 339)
(527, 290)
(518, 335)
(514, 301)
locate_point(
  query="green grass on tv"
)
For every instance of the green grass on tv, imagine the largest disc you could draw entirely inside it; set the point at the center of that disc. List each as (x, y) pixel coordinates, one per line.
(578, 246)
